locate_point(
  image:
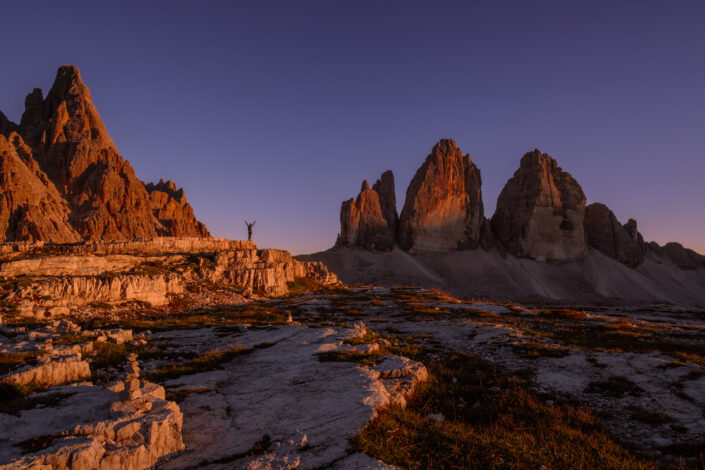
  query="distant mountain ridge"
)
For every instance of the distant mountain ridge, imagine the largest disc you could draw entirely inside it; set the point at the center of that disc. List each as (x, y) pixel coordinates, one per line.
(541, 214)
(62, 179)
(543, 241)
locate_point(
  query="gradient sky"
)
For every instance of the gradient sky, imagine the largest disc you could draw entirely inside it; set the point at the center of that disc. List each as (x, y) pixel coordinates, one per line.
(276, 111)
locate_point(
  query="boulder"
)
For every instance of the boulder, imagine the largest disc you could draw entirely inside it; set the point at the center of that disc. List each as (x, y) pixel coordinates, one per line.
(369, 221)
(540, 211)
(605, 233)
(443, 210)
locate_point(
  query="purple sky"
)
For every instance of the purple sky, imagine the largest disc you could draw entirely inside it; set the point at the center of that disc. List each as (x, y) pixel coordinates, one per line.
(276, 111)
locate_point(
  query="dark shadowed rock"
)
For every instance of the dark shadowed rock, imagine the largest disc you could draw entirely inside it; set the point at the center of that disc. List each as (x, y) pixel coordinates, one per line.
(605, 233)
(443, 210)
(487, 239)
(631, 228)
(72, 150)
(384, 187)
(540, 211)
(363, 222)
(684, 258)
(7, 126)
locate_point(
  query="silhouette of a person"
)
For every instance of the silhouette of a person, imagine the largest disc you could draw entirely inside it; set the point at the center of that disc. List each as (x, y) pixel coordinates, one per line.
(249, 229)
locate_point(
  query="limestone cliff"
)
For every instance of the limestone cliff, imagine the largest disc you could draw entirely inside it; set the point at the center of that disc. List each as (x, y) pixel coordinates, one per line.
(540, 211)
(174, 213)
(30, 206)
(605, 233)
(65, 277)
(443, 210)
(370, 220)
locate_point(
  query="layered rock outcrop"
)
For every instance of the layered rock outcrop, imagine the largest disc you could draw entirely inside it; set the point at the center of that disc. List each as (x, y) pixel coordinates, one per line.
(540, 211)
(370, 221)
(443, 210)
(58, 278)
(62, 151)
(174, 213)
(605, 233)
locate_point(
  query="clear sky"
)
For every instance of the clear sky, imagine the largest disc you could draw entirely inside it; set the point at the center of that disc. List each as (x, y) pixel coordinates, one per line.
(276, 111)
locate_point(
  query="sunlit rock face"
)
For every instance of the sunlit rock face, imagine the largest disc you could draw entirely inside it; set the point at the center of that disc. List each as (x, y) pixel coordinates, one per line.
(30, 206)
(540, 211)
(370, 221)
(605, 233)
(443, 210)
(173, 212)
(85, 187)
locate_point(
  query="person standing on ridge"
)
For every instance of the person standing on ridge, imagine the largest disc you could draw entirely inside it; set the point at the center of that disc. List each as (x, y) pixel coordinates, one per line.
(249, 229)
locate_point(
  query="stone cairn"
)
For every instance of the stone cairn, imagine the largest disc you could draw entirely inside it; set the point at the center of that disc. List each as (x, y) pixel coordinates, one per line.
(132, 382)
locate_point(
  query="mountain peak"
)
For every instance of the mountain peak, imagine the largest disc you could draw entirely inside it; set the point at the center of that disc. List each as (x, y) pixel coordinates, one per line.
(74, 154)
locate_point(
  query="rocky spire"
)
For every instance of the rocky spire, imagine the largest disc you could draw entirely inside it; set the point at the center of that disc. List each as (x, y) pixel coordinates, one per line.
(605, 233)
(73, 150)
(443, 210)
(384, 187)
(366, 222)
(540, 211)
(172, 211)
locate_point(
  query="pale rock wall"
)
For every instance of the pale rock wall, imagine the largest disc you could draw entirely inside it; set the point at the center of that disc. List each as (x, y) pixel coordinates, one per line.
(85, 273)
(56, 370)
(540, 212)
(443, 210)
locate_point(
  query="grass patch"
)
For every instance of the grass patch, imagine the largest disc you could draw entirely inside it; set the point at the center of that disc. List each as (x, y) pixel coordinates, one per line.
(615, 386)
(303, 285)
(69, 340)
(492, 420)
(15, 397)
(369, 337)
(364, 359)
(182, 393)
(11, 361)
(101, 305)
(563, 313)
(537, 350)
(105, 356)
(37, 443)
(259, 448)
(211, 360)
(648, 416)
